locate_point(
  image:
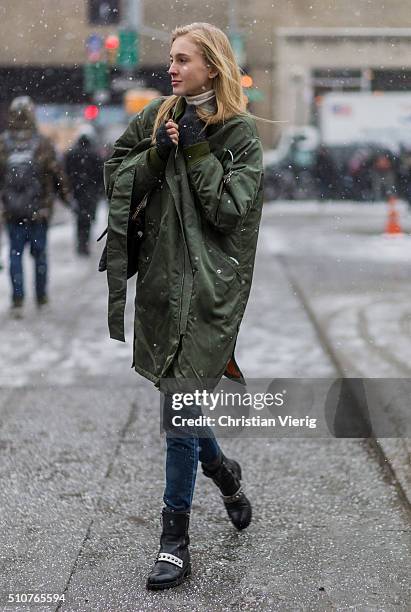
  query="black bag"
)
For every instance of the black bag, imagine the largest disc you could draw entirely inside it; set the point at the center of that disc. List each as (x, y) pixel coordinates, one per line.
(135, 233)
(22, 188)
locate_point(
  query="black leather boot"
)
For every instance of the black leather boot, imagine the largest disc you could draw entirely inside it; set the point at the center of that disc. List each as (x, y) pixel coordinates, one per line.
(173, 559)
(227, 476)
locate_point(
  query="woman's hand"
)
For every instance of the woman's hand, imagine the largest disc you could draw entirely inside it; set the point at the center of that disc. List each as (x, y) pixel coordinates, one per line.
(191, 127)
(172, 131)
(166, 138)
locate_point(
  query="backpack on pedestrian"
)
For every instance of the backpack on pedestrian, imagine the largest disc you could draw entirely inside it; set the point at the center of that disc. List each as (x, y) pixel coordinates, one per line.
(22, 189)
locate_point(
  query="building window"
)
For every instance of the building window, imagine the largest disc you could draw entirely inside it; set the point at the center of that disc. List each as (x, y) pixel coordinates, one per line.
(391, 80)
(103, 12)
(331, 79)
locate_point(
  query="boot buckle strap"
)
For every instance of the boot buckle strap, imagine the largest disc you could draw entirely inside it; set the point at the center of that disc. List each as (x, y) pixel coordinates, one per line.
(162, 556)
(232, 498)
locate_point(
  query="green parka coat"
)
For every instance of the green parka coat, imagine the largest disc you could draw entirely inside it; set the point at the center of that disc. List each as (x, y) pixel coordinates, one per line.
(196, 260)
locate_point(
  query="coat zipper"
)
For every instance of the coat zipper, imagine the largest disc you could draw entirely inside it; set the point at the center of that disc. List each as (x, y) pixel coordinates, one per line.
(184, 241)
(182, 292)
(184, 254)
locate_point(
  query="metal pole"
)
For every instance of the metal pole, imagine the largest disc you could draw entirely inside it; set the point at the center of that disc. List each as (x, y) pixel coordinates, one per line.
(133, 14)
(133, 19)
(236, 34)
(232, 16)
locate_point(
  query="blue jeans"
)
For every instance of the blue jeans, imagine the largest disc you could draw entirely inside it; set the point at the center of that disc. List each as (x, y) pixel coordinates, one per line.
(21, 233)
(182, 459)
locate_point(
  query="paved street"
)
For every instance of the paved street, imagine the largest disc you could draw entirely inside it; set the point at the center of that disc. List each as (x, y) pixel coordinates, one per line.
(81, 458)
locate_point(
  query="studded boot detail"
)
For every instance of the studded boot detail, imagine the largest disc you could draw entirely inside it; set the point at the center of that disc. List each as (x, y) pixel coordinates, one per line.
(173, 560)
(227, 477)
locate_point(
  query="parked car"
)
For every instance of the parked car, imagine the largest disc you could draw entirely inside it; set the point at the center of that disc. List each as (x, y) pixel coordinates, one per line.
(357, 171)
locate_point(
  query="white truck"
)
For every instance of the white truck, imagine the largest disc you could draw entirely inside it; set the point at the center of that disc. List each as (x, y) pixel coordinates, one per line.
(366, 117)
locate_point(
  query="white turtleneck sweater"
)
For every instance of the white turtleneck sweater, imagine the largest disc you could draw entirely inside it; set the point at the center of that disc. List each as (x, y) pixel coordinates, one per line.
(206, 100)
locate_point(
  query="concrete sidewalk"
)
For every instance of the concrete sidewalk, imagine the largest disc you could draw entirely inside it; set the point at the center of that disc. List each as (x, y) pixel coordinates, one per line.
(355, 285)
(82, 479)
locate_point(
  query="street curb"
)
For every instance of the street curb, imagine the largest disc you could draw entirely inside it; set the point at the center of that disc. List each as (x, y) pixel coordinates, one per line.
(386, 451)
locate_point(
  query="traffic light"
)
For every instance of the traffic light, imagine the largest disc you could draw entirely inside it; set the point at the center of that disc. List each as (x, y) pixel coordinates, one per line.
(251, 93)
(91, 112)
(95, 77)
(246, 80)
(128, 52)
(103, 12)
(238, 45)
(112, 44)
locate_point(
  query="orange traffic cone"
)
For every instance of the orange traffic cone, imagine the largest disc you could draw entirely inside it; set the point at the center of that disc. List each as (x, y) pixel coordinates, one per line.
(393, 227)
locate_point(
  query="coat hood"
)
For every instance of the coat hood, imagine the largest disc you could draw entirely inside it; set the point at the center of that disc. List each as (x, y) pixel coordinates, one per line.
(22, 114)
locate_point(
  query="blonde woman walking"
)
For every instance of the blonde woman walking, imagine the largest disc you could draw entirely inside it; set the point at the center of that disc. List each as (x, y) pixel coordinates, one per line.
(195, 159)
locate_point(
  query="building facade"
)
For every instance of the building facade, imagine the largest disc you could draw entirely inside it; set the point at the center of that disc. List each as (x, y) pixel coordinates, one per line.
(295, 50)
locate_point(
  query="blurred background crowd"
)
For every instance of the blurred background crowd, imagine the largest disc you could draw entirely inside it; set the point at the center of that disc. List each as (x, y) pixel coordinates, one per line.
(333, 81)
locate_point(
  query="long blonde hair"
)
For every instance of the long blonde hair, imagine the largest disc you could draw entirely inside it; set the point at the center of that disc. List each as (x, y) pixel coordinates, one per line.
(218, 54)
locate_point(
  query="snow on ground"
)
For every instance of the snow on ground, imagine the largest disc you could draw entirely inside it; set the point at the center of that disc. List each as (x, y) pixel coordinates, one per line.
(69, 341)
(348, 230)
(357, 279)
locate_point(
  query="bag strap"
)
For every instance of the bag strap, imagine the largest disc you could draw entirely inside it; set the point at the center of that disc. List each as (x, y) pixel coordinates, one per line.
(102, 235)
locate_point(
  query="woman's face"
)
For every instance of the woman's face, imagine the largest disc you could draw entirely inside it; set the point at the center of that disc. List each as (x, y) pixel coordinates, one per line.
(188, 70)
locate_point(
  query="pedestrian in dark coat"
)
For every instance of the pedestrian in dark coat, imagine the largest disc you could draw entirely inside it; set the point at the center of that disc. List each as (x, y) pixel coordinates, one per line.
(384, 174)
(84, 168)
(404, 174)
(195, 159)
(325, 173)
(30, 178)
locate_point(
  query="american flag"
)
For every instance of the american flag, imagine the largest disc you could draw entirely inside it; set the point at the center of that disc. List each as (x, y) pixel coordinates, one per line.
(341, 109)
